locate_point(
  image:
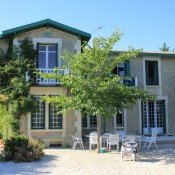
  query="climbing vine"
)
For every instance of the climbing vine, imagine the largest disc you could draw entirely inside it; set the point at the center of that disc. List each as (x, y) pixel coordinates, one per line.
(14, 66)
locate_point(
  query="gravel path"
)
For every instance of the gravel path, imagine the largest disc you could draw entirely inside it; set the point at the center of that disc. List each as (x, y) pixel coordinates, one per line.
(59, 161)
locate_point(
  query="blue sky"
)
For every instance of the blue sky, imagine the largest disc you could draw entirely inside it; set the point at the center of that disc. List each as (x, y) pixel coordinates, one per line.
(146, 23)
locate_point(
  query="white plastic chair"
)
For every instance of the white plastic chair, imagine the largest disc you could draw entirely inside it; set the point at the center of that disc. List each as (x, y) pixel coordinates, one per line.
(104, 138)
(93, 133)
(76, 141)
(113, 139)
(92, 140)
(152, 139)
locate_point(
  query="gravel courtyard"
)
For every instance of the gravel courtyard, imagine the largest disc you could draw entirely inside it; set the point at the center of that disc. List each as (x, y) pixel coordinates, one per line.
(58, 161)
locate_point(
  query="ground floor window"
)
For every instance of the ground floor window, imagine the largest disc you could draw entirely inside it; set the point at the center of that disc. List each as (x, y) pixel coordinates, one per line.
(38, 117)
(45, 112)
(120, 118)
(55, 121)
(88, 121)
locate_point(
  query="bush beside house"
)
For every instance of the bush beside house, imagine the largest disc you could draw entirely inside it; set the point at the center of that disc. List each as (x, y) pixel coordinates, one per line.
(19, 148)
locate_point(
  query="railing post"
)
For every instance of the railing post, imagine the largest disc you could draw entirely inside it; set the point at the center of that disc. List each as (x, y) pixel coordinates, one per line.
(136, 81)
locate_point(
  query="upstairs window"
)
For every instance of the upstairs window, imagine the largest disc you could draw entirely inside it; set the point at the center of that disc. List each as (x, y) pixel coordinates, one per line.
(47, 56)
(152, 77)
(119, 70)
(123, 69)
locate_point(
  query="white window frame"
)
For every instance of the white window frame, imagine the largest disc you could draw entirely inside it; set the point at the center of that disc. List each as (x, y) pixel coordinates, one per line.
(47, 125)
(56, 117)
(47, 53)
(37, 114)
(51, 41)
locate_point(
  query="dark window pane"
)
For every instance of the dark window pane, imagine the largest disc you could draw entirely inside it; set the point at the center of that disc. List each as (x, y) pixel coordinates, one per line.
(121, 71)
(52, 60)
(152, 73)
(42, 60)
(42, 48)
(119, 119)
(93, 121)
(84, 121)
(52, 48)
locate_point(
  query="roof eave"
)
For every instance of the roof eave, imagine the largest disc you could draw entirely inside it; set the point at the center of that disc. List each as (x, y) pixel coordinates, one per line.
(47, 23)
(157, 54)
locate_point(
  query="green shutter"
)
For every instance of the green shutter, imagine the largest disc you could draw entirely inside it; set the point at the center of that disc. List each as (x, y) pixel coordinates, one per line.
(142, 114)
(37, 54)
(146, 69)
(57, 55)
(164, 116)
(127, 68)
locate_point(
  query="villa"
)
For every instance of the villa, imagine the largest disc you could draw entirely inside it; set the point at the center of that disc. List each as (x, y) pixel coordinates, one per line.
(153, 71)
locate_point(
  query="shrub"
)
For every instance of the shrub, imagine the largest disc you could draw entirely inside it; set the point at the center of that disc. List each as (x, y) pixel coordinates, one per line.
(21, 149)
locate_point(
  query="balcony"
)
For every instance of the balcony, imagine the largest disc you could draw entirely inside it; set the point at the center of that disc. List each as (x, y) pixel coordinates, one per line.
(43, 81)
(130, 81)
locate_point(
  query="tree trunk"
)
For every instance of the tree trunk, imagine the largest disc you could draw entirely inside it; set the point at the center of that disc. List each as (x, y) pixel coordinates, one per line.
(98, 134)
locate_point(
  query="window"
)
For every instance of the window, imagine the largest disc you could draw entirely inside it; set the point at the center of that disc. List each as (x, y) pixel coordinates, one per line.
(55, 118)
(88, 121)
(46, 116)
(119, 70)
(93, 121)
(47, 56)
(152, 73)
(119, 119)
(84, 121)
(38, 117)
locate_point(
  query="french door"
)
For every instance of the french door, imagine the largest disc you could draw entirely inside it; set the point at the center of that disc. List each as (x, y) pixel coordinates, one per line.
(153, 114)
(47, 56)
(47, 61)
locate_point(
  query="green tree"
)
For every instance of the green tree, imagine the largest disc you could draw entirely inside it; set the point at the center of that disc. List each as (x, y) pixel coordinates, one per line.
(164, 48)
(6, 121)
(90, 84)
(14, 65)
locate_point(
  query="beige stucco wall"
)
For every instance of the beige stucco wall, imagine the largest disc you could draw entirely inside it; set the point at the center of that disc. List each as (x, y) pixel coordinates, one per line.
(136, 70)
(69, 42)
(168, 89)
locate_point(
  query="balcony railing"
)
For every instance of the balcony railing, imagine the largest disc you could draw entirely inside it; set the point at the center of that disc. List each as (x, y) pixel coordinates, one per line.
(130, 81)
(43, 81)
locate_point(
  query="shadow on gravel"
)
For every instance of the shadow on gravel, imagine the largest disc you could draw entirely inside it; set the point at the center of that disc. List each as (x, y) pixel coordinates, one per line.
(165, 153)
(41, 167)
